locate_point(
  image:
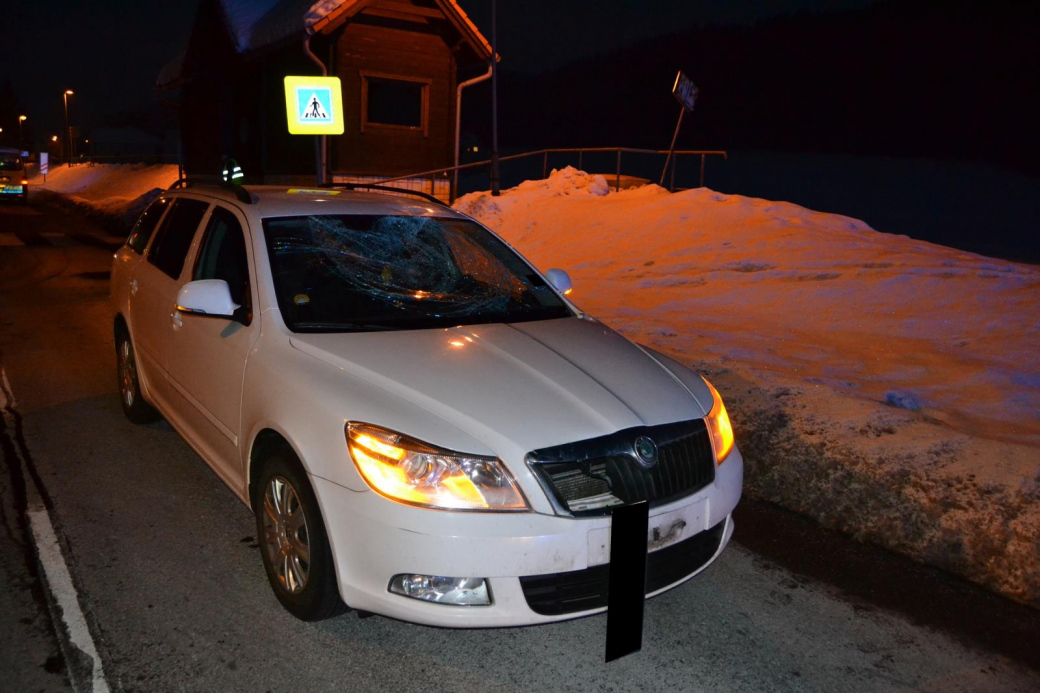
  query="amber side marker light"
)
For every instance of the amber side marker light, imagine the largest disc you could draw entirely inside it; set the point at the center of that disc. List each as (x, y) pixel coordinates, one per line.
(719, 426)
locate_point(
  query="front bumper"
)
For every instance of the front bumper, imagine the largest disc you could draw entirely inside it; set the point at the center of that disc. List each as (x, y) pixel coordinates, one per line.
(374, 538)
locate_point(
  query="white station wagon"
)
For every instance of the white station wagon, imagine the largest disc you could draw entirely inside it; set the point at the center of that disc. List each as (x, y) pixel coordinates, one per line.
(422, 423)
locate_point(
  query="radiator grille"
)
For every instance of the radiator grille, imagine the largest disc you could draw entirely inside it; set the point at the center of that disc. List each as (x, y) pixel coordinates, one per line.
(590, 477)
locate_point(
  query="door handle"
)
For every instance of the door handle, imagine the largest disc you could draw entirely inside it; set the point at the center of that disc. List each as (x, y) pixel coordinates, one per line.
(133, 287)
(178, 321)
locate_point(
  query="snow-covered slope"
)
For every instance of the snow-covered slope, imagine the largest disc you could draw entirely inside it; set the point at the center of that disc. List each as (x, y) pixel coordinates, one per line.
(885, 386)
(116, 192)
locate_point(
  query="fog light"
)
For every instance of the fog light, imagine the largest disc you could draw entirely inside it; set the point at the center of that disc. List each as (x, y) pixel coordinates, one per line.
(442, 590)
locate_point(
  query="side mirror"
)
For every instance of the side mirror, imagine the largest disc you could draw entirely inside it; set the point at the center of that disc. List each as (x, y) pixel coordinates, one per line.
(560, 280)
(209, 297)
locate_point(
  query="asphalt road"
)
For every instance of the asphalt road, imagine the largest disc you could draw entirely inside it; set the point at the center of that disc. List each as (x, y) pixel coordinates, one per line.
(164, 561)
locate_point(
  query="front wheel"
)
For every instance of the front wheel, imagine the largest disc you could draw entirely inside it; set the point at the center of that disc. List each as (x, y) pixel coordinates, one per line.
(134, 406)
(293, 541)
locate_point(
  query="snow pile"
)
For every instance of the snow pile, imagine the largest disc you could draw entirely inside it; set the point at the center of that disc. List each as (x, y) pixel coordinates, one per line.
(115, 194)
(884, 386)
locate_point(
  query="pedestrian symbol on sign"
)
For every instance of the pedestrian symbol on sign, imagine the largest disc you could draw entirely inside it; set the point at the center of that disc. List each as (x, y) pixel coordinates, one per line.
(314, 110)
(315, 105)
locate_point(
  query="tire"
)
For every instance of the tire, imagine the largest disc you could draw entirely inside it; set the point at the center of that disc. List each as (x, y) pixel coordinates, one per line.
(134, 406)
(288, 520)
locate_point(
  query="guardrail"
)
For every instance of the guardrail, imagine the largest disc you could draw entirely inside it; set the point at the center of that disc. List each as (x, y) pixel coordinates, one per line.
(580, 151)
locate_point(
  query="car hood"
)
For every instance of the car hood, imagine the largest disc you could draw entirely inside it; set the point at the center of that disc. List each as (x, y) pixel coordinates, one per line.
(517, 386)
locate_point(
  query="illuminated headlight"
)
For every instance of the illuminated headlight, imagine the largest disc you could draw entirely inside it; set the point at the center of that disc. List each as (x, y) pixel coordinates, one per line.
(442, 590)
(410, 471)
(719, 426)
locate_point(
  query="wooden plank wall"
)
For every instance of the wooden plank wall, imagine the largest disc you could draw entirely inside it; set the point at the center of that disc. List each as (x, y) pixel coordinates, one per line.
(390, 50)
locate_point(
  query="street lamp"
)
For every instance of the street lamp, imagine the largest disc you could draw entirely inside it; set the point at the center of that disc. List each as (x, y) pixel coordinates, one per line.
(495, 181)
(68, 128)
(21, 119)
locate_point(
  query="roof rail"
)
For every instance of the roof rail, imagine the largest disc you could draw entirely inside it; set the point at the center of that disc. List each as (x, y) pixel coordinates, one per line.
(240, 193)
(388, 188)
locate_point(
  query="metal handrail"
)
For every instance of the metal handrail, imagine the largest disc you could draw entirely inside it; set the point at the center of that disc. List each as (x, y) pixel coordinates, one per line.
(703, 153)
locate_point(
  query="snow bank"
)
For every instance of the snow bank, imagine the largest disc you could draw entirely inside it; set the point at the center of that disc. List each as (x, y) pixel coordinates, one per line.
(885, 386)
(114, 194)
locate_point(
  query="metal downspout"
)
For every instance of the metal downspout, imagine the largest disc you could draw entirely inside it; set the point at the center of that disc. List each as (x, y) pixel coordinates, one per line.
(320, 141)
(458, 119)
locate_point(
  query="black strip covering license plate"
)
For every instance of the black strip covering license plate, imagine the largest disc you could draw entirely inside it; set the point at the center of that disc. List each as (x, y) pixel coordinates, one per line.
(626, 589)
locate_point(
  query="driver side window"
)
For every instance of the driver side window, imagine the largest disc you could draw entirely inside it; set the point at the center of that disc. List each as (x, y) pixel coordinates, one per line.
(223, 256)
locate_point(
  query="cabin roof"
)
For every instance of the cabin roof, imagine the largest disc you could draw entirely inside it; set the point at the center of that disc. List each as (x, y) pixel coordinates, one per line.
(256, 24)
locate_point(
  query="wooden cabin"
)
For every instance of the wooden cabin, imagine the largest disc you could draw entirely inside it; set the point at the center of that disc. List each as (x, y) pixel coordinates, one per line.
(399, 62)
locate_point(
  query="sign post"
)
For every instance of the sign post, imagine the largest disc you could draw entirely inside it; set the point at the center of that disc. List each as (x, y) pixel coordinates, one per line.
(314, 106)
(45, 165)
(685, 92)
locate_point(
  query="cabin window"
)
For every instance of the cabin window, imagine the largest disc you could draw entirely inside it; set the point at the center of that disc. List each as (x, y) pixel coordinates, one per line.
(394, 103)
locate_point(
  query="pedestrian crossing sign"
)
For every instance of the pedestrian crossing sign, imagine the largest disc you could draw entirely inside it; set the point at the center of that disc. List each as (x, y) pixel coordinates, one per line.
(314, 105)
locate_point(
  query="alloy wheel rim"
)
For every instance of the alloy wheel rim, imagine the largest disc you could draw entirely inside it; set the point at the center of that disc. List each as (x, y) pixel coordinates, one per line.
(127, 372)
(285, 535)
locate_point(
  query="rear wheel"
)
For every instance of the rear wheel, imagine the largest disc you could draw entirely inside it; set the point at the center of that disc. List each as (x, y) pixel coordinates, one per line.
(293, 541)
(134, 406)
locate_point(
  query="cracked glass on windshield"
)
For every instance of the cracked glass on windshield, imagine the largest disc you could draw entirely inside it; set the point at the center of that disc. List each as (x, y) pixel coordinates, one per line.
(347, 273)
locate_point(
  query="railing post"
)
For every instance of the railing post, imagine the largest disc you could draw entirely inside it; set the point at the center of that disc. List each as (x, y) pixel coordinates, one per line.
(675, 165)
(702, 171)
(617, 188)
(545, 164)
(581, 166)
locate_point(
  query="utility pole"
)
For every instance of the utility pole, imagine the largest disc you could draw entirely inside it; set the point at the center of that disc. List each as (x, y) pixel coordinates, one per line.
(495, 181)
(68, 128)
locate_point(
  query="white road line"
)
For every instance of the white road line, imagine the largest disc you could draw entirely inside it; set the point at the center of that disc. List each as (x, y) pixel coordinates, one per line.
(60, 582)
(56, 570)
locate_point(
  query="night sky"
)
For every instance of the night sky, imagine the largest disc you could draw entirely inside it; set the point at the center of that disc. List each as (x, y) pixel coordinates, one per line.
(110, 51)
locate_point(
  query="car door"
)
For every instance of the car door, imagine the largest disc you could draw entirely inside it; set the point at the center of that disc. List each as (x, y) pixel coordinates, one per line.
(153, 291)
(207, 354)
(131, 254)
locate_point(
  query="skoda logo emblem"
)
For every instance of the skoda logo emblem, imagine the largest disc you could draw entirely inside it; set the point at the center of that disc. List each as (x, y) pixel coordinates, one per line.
(646, 451)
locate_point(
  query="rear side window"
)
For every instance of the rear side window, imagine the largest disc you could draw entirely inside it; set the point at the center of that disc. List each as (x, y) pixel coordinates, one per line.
(223, 255)
(146, 225)
(173, 238)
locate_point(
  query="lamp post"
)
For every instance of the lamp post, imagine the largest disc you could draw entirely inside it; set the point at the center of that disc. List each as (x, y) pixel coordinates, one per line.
(495, 181)
(21, 119)
(68, 128)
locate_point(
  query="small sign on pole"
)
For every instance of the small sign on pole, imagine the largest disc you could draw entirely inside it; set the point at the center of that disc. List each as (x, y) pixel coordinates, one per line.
(45, 165)
(685, 92)
(314, 105)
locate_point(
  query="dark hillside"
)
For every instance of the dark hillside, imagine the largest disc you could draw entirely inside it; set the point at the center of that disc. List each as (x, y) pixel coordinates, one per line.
(931, 78)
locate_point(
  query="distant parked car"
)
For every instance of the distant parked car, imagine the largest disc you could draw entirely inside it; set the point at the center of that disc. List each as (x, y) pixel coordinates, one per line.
(14, 180)
(422, 423)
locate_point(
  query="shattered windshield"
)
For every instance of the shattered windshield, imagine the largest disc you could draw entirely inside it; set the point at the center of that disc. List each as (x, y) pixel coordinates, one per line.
(348, 273)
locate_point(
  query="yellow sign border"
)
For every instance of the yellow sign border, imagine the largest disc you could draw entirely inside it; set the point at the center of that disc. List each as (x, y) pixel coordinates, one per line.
(292, 117)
